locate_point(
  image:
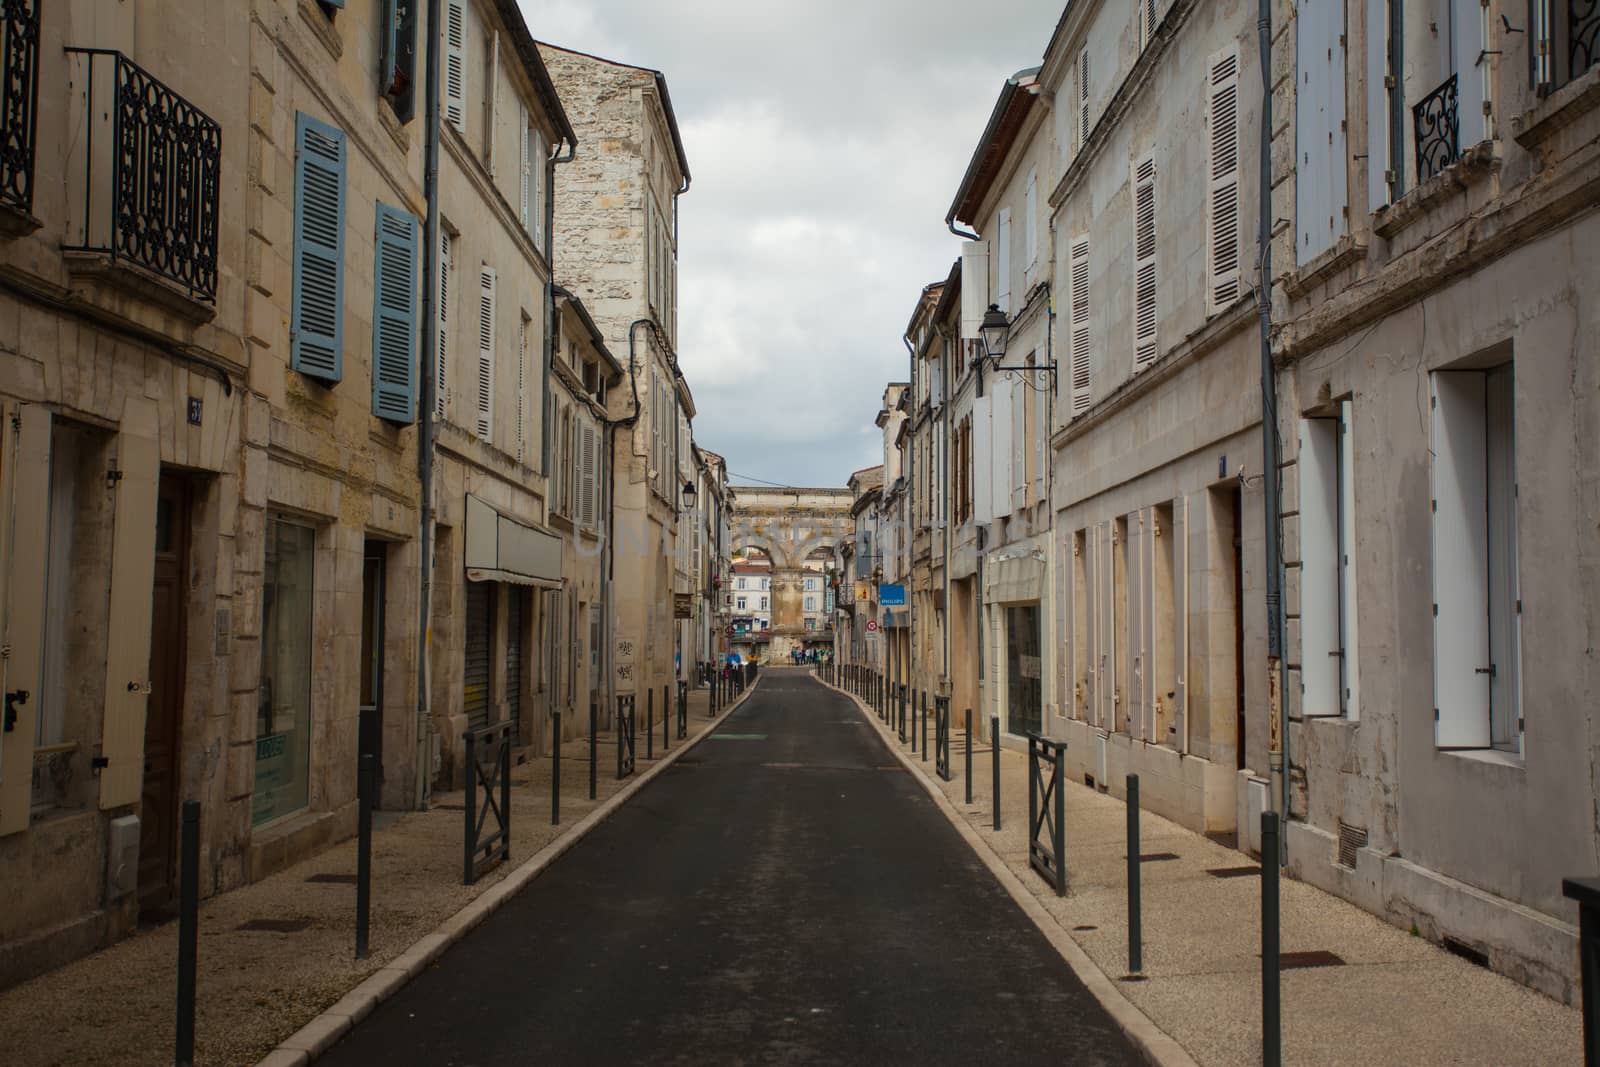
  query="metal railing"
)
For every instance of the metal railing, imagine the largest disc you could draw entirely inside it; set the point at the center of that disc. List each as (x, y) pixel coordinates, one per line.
(1438, 141)
(1583, 35)
(1046, 810)
(19, 101)
(488, 772)
(151, 175)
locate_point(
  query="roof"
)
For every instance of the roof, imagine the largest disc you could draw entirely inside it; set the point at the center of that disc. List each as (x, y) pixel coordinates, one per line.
(1018, 97)
(595, 336)
(661, 91)
(528, 52)
(927, 299)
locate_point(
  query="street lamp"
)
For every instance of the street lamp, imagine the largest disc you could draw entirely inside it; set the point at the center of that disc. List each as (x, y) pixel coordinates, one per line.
(996, 332)
(689, 495)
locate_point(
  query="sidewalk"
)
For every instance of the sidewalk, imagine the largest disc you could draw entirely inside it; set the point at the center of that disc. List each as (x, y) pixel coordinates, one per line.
(256, 988)
(1395, 998)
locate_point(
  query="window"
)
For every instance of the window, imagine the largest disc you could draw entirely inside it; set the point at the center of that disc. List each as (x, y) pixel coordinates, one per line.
(1327, 571)
(1144, 263)
(1477, 606)
(486, 328)
(397, 69)
(811, 603)
(1222, 199)
(765, 603)
(740, 583)
(1564, 43)
(740, 603)
(316, 336)
(765, 584)
(283, 700)
(394, 316)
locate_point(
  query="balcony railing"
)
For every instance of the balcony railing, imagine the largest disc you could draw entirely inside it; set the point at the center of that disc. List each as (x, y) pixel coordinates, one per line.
(19, 98)
(148, 188)
(1435, 120)
(1583, 35)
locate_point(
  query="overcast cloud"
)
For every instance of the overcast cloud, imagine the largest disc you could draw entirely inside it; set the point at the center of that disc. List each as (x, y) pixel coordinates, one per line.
(826, 140)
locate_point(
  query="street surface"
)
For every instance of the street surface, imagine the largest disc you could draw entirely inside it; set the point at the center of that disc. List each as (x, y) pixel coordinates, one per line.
(785, 893)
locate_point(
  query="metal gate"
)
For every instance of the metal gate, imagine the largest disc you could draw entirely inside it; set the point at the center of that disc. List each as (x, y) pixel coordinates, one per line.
(514, 659)
(475, 677)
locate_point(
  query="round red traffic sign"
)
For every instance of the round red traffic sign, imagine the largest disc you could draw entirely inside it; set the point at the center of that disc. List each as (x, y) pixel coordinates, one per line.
(872, 626)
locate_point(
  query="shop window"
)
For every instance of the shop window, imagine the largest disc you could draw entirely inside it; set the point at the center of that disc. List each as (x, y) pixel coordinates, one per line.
(283, 701)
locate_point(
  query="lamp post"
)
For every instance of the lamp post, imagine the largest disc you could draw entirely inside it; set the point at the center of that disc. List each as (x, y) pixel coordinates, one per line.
(996, 332)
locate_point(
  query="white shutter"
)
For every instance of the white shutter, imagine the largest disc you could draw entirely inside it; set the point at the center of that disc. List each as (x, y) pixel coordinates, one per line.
(1079, 348)
(1030, 224)
(1180, 623)
(1138, 593)
(1106, 651)
(486, 325)
(982, 469)
(537, 172)
(1460, 561)
(1083, 96)
(1472, 70)
(25, 454)
(491, 103)
(1091, 632)
(1222, 201)
(974, 288)
(1378, 161)
(1144, 263)
(1002, 266)
(455, 64)
(588, 481)
(1019, 442)
(1147, 22)
(1319, 566)
(1066, 590)
(1000, 427)
(441, 362)
(525, 169)
(522, 379)
(1347, 563)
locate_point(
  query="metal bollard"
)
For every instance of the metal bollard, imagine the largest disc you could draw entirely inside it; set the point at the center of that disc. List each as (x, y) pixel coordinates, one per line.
(1271, 992)
(994, 753)
(365, 781)
(969, 756)
(1586, 891)
(924, 726)
(555, 770)
(188, 929)
(649, 724)
(913, 720)
(1135, 934)
(594, 744)
(666, 715)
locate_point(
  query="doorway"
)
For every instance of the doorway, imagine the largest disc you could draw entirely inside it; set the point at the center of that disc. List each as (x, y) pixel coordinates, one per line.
(1024, 680)
(370, 729)
(158, 804)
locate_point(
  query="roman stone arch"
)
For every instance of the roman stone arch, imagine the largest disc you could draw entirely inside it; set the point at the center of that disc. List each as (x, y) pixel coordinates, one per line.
(789, 525)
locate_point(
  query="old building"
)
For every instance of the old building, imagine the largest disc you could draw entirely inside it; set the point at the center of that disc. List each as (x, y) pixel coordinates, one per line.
(1007, 266)
(856, 584)
(1437, 403)
(616, 242)
(126, 387)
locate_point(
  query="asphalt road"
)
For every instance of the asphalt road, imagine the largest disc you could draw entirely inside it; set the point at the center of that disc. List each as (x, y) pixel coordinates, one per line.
(785, 893)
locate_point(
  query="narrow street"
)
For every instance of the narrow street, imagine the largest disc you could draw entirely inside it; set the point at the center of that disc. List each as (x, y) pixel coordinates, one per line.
(784, 893)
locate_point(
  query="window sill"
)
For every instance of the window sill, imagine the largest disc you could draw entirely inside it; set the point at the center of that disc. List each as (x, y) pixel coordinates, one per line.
(1491, 756)
(562, 522)
(15, 222)
(1557, 111)
(1345, 252)
(1475, 164)
(322, 27)
(129, 279)
(401, 135)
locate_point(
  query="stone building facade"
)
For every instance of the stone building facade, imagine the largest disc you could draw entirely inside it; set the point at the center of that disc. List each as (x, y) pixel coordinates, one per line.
(616, 242)
(1435, 329)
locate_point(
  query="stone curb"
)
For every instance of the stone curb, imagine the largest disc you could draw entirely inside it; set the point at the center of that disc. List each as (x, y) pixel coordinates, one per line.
(1158, 1047)
(318, 1035)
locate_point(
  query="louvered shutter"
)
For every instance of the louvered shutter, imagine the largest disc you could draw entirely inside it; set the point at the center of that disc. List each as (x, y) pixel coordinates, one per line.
(1180, 622)
(1002, 266)
(526, 169)
(1147, 22)
(486, 325)
(1000, 426)
(1144, 262)
(536, 175)
(394, 316)
(1081, 352)
(1030, 224)
(522, 381)
(1222, 203)
(455, 64)
(587, 483)
(316, 334)
(441, 362)
(1083, 97)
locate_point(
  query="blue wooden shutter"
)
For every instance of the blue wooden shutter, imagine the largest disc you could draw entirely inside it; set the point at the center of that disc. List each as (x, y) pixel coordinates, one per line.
(394, 316)
(316, 333)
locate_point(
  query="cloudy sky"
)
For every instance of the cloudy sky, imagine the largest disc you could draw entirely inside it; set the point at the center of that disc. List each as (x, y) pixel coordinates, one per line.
(826, 139)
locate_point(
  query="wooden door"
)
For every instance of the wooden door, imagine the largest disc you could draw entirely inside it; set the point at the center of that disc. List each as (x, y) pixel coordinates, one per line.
(158, 812)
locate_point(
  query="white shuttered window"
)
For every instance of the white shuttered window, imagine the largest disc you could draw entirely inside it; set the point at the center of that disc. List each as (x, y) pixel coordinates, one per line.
(1144, 263)
(1222, 201)
(1080, 349)
(455, 64)
(486, 322)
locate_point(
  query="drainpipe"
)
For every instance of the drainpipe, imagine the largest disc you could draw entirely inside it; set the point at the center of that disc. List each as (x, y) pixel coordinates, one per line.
(425, 428)
(1272, 474)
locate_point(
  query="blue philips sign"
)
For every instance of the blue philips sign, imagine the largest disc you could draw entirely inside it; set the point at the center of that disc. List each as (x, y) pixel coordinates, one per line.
(892, 596)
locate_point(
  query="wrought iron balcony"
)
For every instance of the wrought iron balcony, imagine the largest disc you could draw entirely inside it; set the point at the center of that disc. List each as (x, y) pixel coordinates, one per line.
(148, 189)
(1438, 142)
(19, 98)
(1583, 35)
